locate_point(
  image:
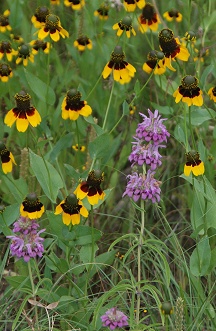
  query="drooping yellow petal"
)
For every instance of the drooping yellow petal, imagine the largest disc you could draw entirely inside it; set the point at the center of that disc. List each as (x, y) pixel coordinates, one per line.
(55, 36)
(7, 166)
(199, 169)
(146, 68)
(59, 209)
(131, 69)
(119, 32)
(79, 193)
(65, 114)
(40, 212)
(107, 71)
(42, 34)
(35, 119)
(10, 118)
(85, 111)
(198, 101)
(187, 100)
(187, 170)
(22, 124)
(83, 211)
(116, 75)
(178, 96)
(75, 219)
(64, 33)
(115, 26)
(66, 218)
(73, 115)
(94, 199)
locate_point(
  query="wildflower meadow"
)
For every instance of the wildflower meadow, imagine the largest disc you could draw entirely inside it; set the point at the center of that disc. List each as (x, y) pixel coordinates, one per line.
(108, 160)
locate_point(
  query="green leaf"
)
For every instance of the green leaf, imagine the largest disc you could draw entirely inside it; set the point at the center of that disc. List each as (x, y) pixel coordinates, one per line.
(19, 282)
(87, 255)
(9, 216)
(47, 176)
(199, 116)
(98, 148)
(201, 258)
(125, 107)
(62, 143)
(42, 90)
(17, 187)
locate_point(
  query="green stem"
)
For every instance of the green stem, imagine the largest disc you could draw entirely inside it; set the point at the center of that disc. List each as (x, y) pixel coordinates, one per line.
(139, 260)
(191, 130)
(185, 129)
(108, 107)
(33, 294)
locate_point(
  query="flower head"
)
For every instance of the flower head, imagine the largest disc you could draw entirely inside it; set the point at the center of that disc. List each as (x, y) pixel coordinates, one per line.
(166, 308)
(149, 19)
(122, 70)
(201, 54)
(145, 154)
(31, 207)
(40, 44)
(130, 5)
(193, 164)
(39, 18)
(6, 158)
(55, 2)
(79, 148)
(53, 28)
(190, 36)
(82, 43)
(102, 12)
(189, 92)
(172, 48)
(114, 318)
(24, 54)
(4, 22)
(90, 187)
(155, 61)
(212, 93)
(144, 187)
(27, 242)
(7, 50)
(5, 72)
(75, 4)
(23, 114)
(71, 209)
(72, 106)
(173, 14)
(124, 25)
(152, 128)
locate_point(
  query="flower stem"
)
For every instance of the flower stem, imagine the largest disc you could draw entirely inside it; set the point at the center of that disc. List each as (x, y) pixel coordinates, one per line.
(108, 107)
(139, 260)
(33, 294)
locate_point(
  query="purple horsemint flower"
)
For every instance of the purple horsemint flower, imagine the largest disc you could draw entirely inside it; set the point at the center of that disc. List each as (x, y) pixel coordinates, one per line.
(145, 153)
(152, 128)
(25, 225)
(26, 241)
(114, 318)
(142, 186)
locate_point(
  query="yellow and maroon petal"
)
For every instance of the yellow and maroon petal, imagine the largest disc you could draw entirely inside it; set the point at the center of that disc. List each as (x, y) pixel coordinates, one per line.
(107, 71)
(22, 124)
(59, 209)
(33, 117)
(85, 111)
(10, 118)
(75, 219)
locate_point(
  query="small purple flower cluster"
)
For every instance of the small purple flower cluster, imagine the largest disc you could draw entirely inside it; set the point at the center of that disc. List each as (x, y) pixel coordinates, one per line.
(26, 241)
(150, 134)
(114, 318)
